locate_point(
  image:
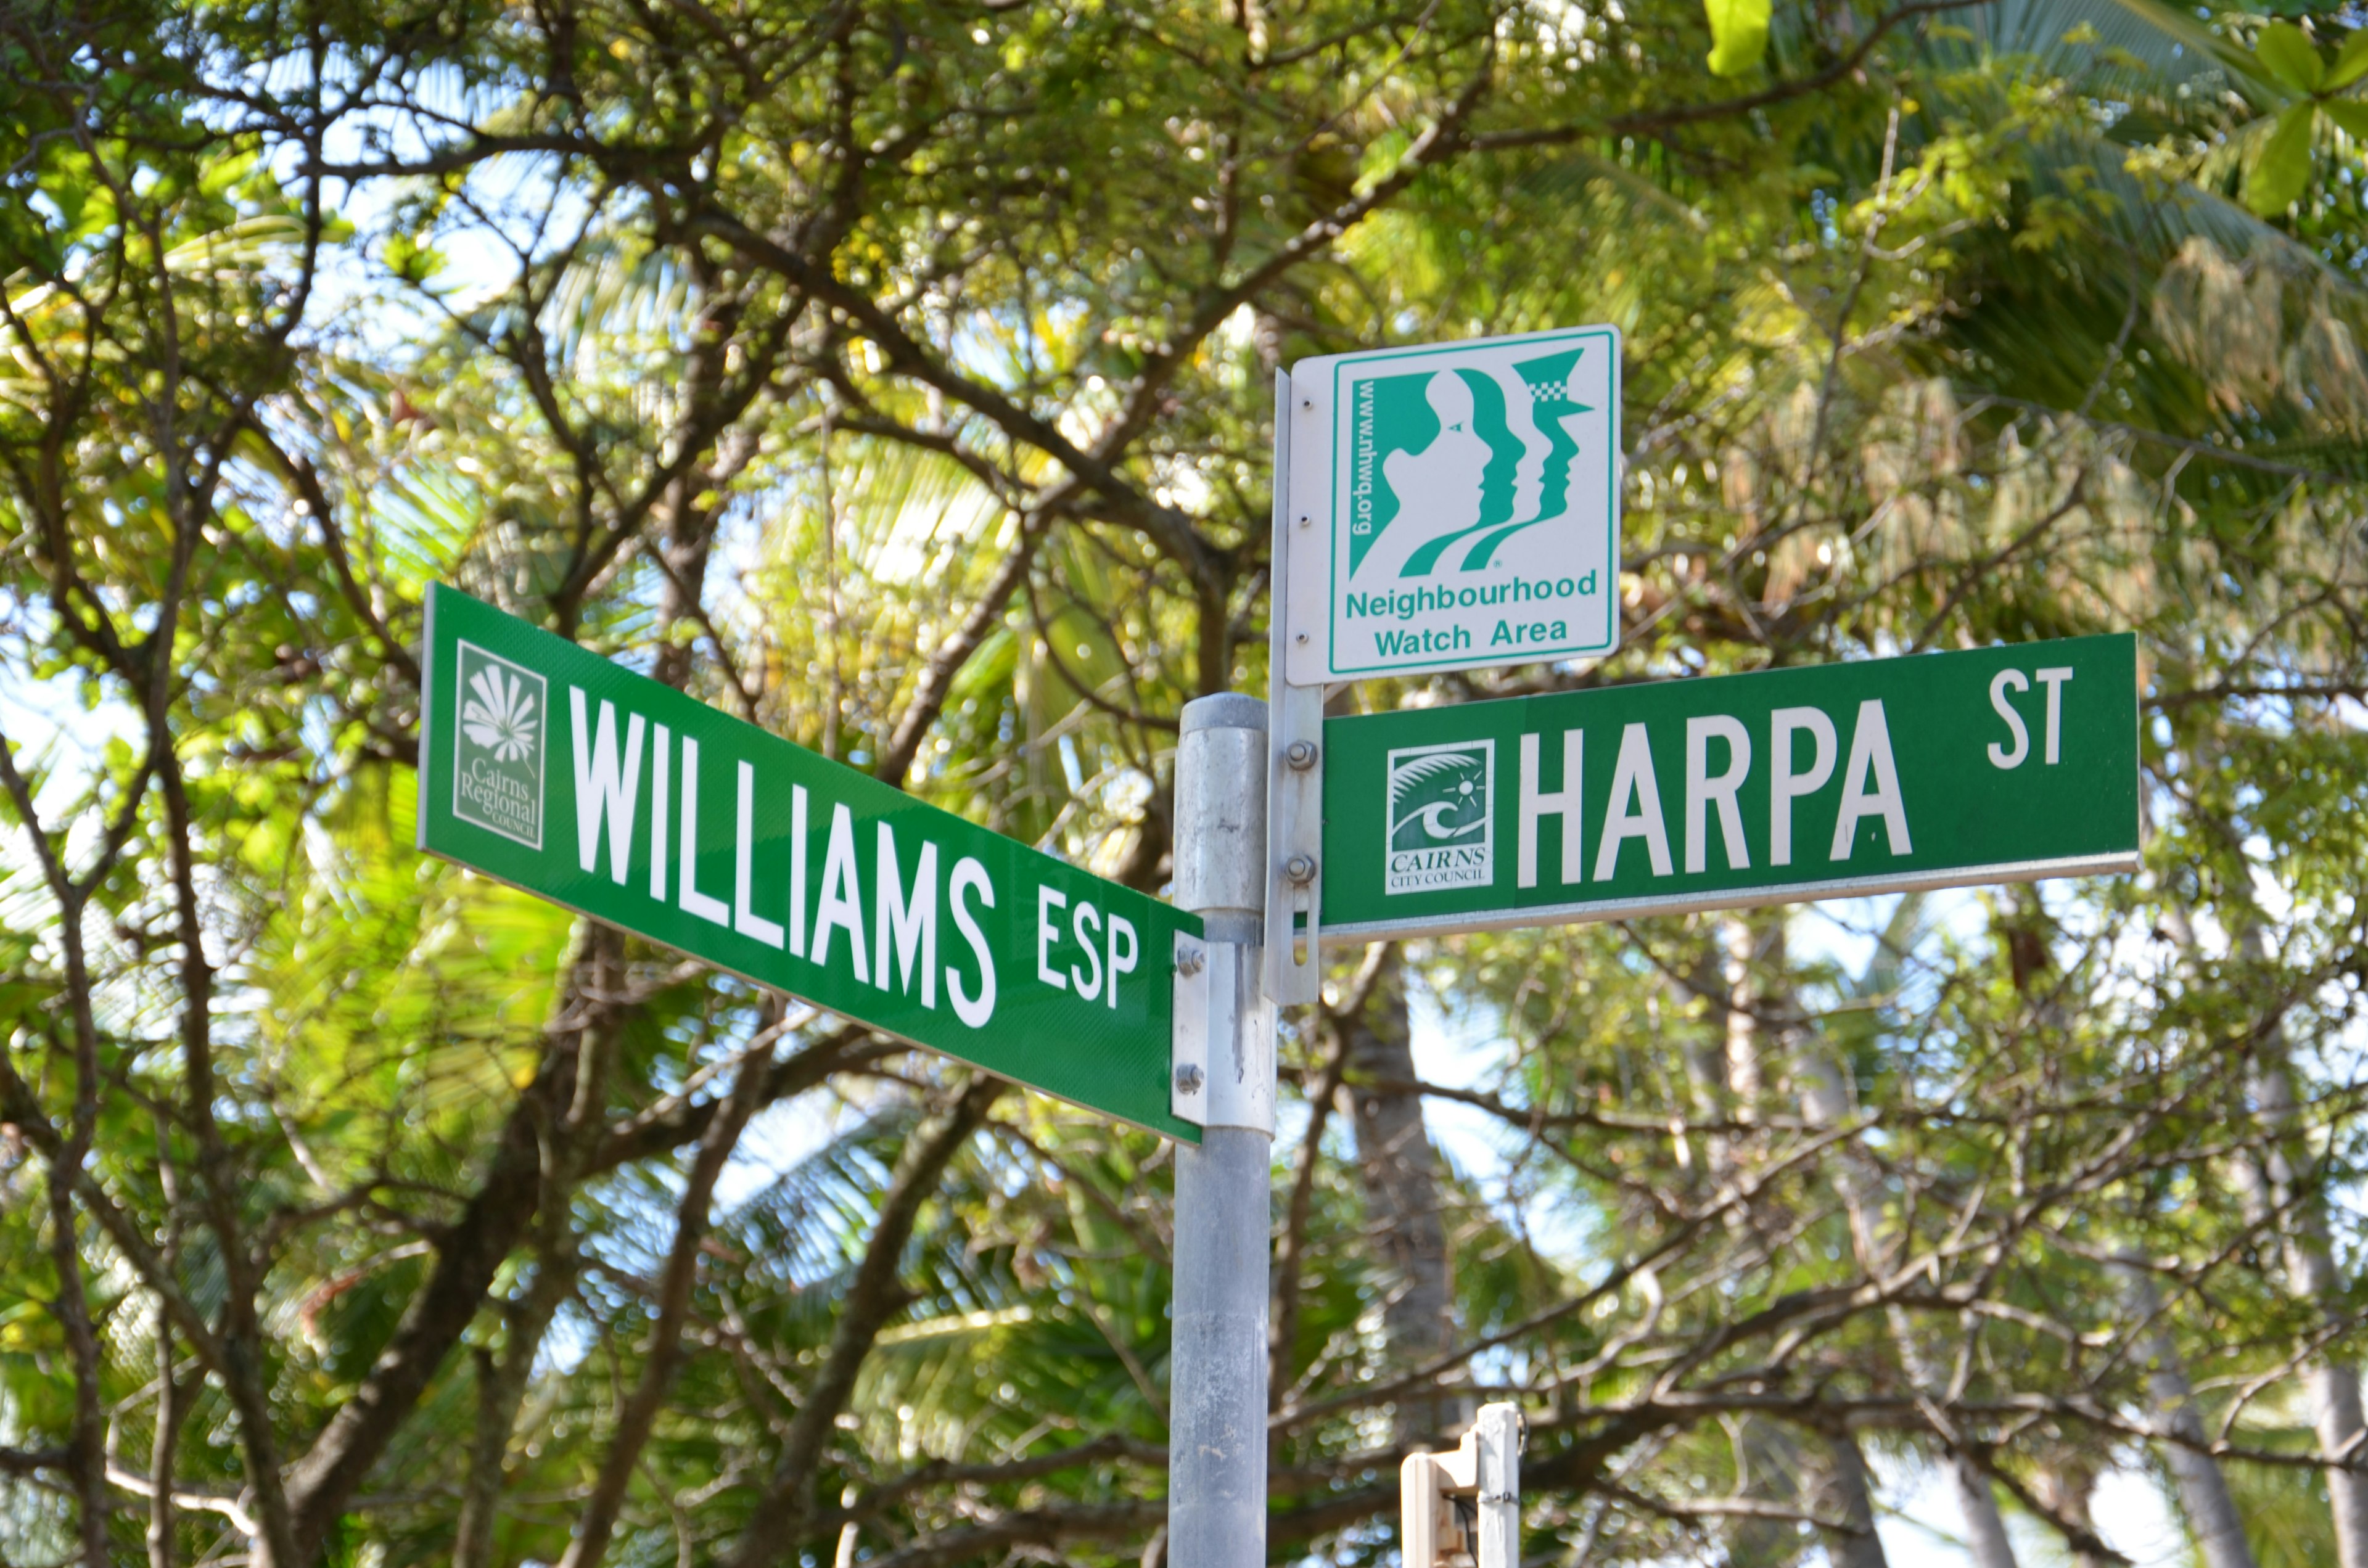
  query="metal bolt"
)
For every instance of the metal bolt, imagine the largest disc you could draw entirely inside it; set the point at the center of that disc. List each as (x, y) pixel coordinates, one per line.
(1300, 638)
(1302, 521)
(1306, 402)
(1189, 960)
(1188, 1079)
(1300, 869)
(1301, 754)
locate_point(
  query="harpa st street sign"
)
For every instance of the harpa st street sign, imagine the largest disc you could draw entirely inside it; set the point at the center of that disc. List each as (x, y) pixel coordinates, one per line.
(1454, 507)
(1940, 771)
(562, 774)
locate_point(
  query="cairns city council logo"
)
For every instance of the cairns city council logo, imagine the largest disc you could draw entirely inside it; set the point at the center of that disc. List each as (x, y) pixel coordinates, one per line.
(1441, 816)
(497, 758)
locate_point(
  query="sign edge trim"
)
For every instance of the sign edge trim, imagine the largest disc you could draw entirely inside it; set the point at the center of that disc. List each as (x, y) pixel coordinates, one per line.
(1564, 914)
(426, 721)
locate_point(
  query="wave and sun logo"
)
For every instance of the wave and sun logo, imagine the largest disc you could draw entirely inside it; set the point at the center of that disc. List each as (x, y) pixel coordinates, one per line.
(1447, 466)
(498, 746)
(1442, 809)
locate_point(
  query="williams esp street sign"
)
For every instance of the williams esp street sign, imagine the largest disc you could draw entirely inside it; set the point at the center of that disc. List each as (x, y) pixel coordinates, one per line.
(1938, 770)
(553, 770)
(1454, 507)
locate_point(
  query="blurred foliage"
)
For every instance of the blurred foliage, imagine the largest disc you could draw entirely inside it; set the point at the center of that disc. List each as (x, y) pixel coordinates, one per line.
(898, 375)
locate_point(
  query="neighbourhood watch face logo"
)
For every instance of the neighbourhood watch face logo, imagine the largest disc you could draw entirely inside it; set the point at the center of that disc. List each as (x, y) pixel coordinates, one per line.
(1441, 817)
(498, 746)
(1449, 468)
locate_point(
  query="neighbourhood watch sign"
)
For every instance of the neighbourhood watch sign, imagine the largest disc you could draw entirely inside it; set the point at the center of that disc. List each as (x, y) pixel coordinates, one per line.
(1453, 507)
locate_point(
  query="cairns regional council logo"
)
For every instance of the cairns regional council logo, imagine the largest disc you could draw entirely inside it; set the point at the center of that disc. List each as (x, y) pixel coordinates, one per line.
(497, 757)
(1442, 811)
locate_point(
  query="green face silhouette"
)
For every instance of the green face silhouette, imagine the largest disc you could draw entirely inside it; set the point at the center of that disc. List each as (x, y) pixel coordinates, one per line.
(1444, 440)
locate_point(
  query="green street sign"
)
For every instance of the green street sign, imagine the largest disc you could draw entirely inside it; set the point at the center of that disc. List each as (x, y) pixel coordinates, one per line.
(1938, 771)
(553, 770)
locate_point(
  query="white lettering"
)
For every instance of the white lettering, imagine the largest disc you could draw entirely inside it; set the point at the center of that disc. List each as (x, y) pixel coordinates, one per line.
(745, 918)
(1701, 790)
(970, 876)
(603, 789)
(841, 908)
(1563, 802)
(1636, 811)
(1784, 786)
(1121, 926)
(660, 772)
(705, 906)
(1085, 915)
(1999, 685)
(1047, 900)
(1871, 752)
(2054, 679)
(798, 869)
(913, 928)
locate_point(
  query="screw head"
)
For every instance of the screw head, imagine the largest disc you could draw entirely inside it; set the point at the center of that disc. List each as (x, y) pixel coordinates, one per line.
(1300, 869)
(1189, 1079)
(1302, 521)
(1306, 402)
(1300, 638)
(1190, 961)
(1301, 754)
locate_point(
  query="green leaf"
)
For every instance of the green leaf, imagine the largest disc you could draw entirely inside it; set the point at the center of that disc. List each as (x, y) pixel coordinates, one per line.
(2291, 57)
(2351, 115)
(1738, 31)
(2351, 61)
(2282, 171)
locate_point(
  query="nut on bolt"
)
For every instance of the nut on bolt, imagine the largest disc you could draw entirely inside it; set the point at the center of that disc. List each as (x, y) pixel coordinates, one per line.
(1189, 1079)
(1300, 869)
(1301, 754)
(1189, 960)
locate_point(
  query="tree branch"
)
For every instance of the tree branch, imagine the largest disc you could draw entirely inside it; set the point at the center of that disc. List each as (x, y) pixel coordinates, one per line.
(874, 1296)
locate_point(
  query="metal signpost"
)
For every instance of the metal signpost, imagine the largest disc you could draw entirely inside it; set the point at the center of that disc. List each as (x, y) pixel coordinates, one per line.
(1435, 509)
(551, 768)
(1217, 1378)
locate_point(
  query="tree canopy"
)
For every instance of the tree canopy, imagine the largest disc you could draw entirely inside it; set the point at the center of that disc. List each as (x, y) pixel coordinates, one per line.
(896, 374)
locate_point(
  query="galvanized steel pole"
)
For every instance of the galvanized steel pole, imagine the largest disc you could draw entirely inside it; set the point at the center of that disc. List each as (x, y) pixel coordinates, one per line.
(1217, 1392)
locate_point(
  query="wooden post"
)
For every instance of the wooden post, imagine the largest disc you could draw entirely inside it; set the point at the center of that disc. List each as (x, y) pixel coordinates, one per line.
(1462, 1508)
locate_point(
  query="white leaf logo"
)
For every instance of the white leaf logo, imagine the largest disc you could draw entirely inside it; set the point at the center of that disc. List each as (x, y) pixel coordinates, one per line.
(500, 717)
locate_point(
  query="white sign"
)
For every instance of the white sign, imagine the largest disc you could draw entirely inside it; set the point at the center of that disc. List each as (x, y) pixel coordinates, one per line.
(1454, 506)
